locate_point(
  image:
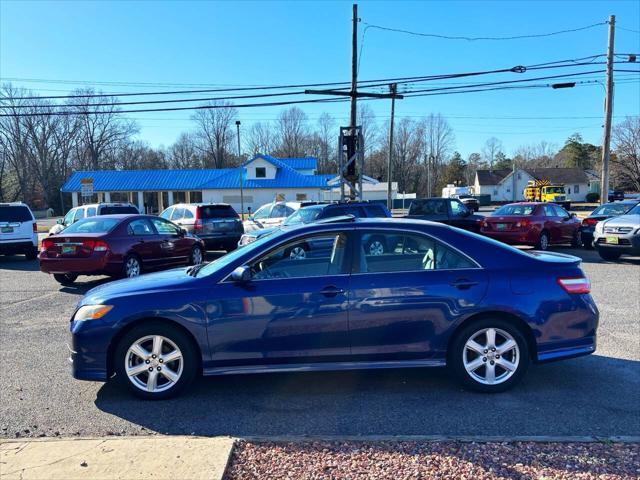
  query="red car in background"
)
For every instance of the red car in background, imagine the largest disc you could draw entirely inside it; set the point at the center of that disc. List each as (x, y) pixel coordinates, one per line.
(118, 245)
(532, 223)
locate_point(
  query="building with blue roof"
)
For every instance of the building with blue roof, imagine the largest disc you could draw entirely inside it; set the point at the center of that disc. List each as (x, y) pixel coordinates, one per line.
(264, 179)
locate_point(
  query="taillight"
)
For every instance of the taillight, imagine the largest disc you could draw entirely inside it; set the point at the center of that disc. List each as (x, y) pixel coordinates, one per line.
(95, 245)
(47, 243)
(587, 222)
(35, 227)
(523, 223)
(575, 284)
(198, 221)
(485, 224)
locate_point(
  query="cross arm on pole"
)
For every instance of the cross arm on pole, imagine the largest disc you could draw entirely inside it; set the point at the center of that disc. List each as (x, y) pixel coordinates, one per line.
(351, 94)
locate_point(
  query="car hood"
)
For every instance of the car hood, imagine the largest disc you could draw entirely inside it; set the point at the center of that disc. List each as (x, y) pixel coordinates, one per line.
(623, 221)
(168, 280)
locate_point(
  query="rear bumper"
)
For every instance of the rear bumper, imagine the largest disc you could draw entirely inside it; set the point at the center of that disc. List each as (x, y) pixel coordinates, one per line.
(220, 240)
(96, 264)
(512, 238)
(9, 248)
(563, 350)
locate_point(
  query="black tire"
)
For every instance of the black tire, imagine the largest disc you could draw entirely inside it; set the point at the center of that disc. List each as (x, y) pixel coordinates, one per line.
(127, 264)
(576, 241)
(190, 361)
(457, 350)
(374, 244)
(542, 244)
(586, 244)
(609, 255)
(32, 254)
(65, 279)
(194, 254)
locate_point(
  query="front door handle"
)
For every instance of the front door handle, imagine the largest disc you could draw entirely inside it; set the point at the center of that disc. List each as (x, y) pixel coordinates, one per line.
(463, 284)
(331, 291)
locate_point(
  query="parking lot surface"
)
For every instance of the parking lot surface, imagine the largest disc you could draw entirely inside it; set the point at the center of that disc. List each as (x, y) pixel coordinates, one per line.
(595, 395)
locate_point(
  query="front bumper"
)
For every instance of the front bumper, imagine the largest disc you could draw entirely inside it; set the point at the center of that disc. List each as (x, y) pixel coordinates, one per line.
(88, 350)
(627, 244)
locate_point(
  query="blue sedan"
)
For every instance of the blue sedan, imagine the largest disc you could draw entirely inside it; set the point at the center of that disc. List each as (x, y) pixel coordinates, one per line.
(437, 296)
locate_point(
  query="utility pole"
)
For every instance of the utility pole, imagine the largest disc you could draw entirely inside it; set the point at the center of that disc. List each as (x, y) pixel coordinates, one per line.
(393, 88)
(241, 174)
(608, 113)
(354, 66)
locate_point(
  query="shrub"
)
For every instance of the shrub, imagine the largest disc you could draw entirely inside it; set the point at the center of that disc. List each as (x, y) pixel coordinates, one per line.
(593, 197)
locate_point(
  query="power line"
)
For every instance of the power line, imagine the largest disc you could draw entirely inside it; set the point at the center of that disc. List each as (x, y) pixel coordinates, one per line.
(474, 39)
(627, 29)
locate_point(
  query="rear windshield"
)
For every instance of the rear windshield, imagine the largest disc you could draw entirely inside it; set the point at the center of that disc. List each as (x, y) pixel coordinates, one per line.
(304, 215)
(514, 210)
(612, 209)
(15, 213)
(428, 207)
(92, 225)
(217, 211)
(635, 210)
(113, 210)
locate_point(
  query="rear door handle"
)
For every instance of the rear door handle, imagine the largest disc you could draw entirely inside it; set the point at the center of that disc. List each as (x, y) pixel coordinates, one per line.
(463, 284)
(331, 291)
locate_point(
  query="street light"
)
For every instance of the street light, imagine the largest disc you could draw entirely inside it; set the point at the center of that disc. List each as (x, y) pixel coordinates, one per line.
(241, 177)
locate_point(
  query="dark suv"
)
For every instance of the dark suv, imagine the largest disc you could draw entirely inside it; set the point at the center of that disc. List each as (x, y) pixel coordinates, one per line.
(445, 210)
(217, 224)
(321, 211)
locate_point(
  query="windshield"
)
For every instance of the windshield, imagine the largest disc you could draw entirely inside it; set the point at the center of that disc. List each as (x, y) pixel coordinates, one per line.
(92, 225)
(508, 210)
(635, 210)
(304, 215)
(554, 189)
(611, 209)
(231, 257)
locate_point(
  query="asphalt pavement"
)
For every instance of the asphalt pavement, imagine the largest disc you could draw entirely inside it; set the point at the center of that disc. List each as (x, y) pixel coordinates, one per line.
(595, 395)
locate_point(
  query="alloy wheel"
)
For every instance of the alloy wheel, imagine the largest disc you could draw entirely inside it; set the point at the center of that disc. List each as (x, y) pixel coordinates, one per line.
(154, 363)
(196, 256)
(544, 241)
(132, 267)
(491, 356)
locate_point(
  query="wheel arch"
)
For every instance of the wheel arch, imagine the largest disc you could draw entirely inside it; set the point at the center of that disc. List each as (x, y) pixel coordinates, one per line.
(140, 321)
(520, 324)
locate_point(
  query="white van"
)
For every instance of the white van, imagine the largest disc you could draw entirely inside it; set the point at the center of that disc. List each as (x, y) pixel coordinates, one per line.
(18, 230)
(78, 213)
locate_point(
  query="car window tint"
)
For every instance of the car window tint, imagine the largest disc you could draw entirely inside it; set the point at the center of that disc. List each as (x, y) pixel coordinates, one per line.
(514, 210)
(278, 211)
(400, 252)
(288, 210)
(167, 213)
(92, 225)
(560, 212)
(118, 209)
(428, 207)
(91, 211)
(140, 227)
(262, 212)
(611, 209)
(457, 208)
(178, 213)
(311, 256)
(548, 211)
(15, 213)
(216, 211)
(187, 214)
(79, 214)
(163, 227)
(68, 218)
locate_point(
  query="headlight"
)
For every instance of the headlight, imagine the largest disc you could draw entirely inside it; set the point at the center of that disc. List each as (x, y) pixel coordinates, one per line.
(599, 227)
(92, 312)
(247, 239)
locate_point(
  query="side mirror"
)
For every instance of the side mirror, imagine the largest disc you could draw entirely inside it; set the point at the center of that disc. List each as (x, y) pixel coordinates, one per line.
(60, 221)
(183, 232)
(250, 218)
(573, 215)
(241, 274)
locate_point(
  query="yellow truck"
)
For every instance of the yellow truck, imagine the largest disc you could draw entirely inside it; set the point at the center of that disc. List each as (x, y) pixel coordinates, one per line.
(545, 191)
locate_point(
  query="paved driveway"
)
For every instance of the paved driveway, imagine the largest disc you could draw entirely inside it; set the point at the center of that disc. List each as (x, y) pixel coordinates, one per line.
(595, 395)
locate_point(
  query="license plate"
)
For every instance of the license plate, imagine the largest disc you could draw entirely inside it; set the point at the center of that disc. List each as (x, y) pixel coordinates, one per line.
(612, 240)
(501, 226)
(68, 249)
(7, 229)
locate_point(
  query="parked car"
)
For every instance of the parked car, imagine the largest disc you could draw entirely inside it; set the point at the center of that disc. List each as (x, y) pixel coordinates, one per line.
(273, 214)
(118, 245)
(217, 224)
(533, 223)
(320, 212)
(616, 195)
(472, 203)
(445, 210)
(618, 235)
(603, 212)
(18, 230)
(84, 211)
(440, 297)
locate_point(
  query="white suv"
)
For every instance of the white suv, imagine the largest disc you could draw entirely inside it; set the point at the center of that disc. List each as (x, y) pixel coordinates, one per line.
(18, 230)
(78, 213)
(273, 214)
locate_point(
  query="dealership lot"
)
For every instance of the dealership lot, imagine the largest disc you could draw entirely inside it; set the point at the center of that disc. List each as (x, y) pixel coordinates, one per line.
(595, 395)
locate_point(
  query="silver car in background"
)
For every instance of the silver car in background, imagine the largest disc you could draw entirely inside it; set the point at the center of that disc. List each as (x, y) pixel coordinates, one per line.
(618, 235)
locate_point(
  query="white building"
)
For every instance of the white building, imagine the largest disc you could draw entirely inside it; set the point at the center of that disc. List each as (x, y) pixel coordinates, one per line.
(507, 185)
(264, 179)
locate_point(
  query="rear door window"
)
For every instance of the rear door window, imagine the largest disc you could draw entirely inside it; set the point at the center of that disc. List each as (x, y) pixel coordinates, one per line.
(178, 213)
(187, 214)
(15, 213)
(278, 211)
(167, 213)
(91, 211)
(548, 211)
(560, 212)
(140, 227)
(218, 211)
(457, 208)
(164, 228)
(79, 214)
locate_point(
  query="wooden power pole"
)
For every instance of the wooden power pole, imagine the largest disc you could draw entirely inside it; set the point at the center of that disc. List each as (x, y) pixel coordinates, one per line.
(608, 113)
(393, 88)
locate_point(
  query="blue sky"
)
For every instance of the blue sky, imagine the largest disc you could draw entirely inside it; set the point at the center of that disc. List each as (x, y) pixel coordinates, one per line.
(258, 43)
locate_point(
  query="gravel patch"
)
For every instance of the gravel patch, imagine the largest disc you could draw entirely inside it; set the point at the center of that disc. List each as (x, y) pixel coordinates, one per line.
(434, 460)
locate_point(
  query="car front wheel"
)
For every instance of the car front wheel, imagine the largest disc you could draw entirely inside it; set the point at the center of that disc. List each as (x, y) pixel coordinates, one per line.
(66, 279)
(610, 256)
(489, 356)
(155, 361)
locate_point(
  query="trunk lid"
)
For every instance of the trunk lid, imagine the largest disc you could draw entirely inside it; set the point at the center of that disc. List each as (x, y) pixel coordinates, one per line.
(72, 245)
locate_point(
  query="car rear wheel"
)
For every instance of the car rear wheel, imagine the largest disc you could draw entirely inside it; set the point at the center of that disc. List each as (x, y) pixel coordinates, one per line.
(490, 355)
(32, 254)
(155, 361)
(543, 242)
(132, 266)
(65, 278)
(611, 256)
(576, 241)
(586, 242)
(196, 256)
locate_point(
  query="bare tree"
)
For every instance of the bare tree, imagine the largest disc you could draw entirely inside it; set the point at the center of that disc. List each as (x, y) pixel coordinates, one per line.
(438, 142)
(492, 147)
(183, 153)
(215, 133)
(293, 134)
(326, 137)
(370, 132)
(407, 150)
(261, 138)
(626, 146)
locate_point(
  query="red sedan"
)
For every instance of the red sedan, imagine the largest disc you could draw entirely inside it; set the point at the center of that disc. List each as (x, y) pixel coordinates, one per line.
(118, 245)
(529, 223)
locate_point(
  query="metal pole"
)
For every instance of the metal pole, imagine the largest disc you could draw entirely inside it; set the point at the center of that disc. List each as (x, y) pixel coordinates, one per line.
(354, 66)
(393, 87)
(608, 112)
(241, 176)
